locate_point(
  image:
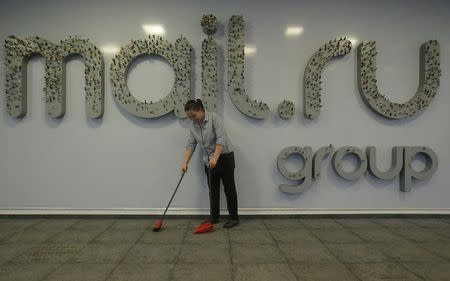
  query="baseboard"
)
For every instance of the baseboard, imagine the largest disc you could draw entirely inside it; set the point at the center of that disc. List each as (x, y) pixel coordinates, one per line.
(242, 211)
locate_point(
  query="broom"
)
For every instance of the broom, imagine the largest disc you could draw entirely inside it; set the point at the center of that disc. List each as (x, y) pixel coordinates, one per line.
(159, 223)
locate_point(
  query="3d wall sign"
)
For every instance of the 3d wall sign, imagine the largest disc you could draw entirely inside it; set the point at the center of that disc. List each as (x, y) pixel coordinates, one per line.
(429, 82)
(402, 159)
(178, 55)
(209, 63)
(19, 51)
(313, 74)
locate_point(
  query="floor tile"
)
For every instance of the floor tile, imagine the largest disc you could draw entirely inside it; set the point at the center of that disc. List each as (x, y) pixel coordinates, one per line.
(79, 271)
(322, 271)
(308, 252)
(262, 253)
(251, 237)
(263, 272)
(205, 254)
(203, 272)
(100, 253)
(152, 253)
(382, 271)
(25, 272)
(359, 252)
(430, 271)
(141, 272)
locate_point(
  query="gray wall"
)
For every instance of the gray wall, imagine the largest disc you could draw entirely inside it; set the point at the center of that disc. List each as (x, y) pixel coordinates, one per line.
(123, 164)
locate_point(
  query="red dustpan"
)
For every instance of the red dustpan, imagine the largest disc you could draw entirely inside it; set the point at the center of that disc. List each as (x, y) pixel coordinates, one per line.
(204, 228)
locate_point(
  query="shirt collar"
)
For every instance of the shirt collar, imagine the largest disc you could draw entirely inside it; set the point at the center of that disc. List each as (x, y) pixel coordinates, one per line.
(204, 120)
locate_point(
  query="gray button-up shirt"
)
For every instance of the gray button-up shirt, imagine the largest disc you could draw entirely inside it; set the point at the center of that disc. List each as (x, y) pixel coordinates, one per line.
(208, 134)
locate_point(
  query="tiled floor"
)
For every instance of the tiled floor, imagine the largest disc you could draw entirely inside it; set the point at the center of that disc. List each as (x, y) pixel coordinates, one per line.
(275, 249)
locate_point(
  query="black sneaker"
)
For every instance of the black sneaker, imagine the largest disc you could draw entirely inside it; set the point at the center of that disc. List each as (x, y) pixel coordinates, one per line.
(230, 223)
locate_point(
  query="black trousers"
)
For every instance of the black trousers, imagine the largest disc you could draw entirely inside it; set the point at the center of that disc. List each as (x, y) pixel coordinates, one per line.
(224, 170)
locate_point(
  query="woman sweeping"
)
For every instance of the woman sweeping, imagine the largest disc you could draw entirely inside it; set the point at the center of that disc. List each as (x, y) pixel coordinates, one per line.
(208, 131)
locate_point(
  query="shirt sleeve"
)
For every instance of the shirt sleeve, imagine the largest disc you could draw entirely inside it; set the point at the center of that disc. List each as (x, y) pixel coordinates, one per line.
(192, 142)
(221, 138)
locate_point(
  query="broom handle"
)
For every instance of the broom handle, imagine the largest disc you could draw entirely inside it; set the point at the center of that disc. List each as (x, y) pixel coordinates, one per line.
(182, 175)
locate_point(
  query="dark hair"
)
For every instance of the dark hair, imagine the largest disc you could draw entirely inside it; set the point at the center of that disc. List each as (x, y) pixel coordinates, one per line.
(195, 105)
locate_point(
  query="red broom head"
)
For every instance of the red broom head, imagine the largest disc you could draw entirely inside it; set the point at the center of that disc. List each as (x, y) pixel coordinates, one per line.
(157, 226)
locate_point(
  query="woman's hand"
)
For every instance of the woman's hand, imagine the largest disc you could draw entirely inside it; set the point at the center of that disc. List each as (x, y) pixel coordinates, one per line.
(184, 167)
(212, 162)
